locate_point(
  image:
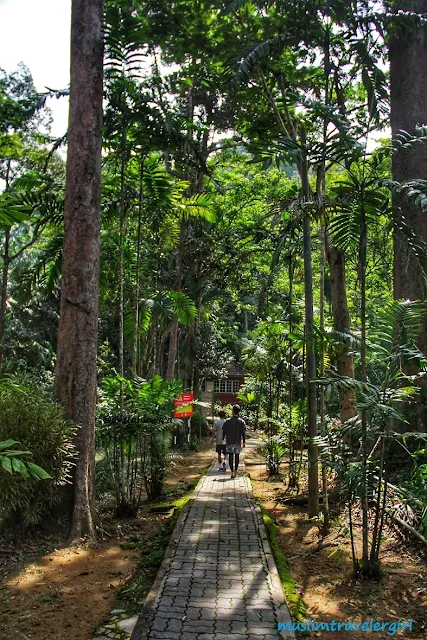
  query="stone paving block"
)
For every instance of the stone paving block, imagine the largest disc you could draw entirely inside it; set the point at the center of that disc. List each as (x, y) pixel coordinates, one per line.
(168, 615)
(193, 613)
(176, 611)
(200, 626)
(223, 626)
(262, 629)
(181, 602)
(267, 616)
(260, 604)
(166, 601)
(209, 614)
(174, 592)
(175, 625)
(239, 627)
(203, 604)
(159, 624)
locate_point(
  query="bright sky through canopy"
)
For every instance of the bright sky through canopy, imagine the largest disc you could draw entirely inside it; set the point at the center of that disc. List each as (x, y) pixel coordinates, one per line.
(37, 33)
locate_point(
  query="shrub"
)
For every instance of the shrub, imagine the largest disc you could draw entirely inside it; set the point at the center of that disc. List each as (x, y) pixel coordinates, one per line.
(32, 418)
(199, 424)
(135, 445)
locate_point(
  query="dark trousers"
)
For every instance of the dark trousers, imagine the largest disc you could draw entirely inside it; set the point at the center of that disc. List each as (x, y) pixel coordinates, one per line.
(234, 459)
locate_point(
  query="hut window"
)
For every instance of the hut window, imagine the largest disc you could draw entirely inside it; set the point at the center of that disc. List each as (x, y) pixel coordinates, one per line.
(226, 386)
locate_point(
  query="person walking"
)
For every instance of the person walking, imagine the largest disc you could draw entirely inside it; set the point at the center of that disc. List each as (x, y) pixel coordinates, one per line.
(233, 433)
(220, 447)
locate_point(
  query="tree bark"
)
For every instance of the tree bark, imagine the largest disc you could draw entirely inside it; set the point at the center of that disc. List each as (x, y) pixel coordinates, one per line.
(75, 376)
(3, 294)
(341, 317)
(408, 89)
(173, 339)
(313, 458)
(136, 337)
(4, 279)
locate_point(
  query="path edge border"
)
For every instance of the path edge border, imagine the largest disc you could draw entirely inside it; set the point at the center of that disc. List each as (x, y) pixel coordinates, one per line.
(279, 597)
(146, 614)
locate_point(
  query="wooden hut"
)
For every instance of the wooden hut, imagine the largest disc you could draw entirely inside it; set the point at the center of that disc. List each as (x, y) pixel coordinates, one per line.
(224, 390)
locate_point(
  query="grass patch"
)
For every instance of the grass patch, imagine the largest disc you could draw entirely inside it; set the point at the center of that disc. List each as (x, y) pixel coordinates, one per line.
(294, 600)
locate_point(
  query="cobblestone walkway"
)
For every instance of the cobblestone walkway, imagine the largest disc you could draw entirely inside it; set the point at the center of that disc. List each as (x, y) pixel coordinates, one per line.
(220, 580)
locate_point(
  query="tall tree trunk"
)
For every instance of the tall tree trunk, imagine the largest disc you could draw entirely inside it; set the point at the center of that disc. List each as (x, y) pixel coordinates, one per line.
(365, 504)
(3, 294)
(173, 338)
(136, 337)
(313, 462)
(75, 376)
(4, 279)
(341, 317)
(408, 87)
(322, 402)
(122, 214)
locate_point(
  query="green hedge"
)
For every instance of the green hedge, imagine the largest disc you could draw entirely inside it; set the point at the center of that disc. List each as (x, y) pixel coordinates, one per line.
(32, 418)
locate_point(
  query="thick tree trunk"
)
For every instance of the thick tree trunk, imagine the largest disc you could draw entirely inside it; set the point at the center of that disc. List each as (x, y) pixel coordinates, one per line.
(408, 86)
(75, 378)
(341, 317)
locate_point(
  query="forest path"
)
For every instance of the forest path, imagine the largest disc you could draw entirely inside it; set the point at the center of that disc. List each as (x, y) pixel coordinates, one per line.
(218, 579)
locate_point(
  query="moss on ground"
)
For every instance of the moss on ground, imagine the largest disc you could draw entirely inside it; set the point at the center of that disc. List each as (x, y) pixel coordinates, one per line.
(294, 600)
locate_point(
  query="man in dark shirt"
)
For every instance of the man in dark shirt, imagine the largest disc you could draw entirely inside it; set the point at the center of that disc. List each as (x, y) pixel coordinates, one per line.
(233, 432)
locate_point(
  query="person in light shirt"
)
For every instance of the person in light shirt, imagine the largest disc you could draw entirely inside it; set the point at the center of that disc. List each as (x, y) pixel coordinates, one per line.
(220, 447)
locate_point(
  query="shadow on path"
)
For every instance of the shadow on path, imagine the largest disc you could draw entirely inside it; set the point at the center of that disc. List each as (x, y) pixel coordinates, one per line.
(219, 580)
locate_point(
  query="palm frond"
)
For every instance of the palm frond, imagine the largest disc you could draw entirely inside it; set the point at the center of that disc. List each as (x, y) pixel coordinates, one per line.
(412, 191)
(124, 39)
(259, 53)
(183, 307)
(197, 206)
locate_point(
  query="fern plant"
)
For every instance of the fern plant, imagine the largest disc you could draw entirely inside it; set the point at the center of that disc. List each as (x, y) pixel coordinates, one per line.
(380, 399)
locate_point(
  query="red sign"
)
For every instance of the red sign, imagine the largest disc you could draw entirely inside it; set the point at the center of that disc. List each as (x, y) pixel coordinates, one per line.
(184, 398)
(184, 405)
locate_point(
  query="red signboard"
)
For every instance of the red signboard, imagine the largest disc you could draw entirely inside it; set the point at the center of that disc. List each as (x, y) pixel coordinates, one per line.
(184, 406)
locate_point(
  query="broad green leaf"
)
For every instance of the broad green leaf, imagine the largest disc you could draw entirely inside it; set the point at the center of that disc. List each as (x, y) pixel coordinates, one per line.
(6, 463)
(6, 444)
(38, 472)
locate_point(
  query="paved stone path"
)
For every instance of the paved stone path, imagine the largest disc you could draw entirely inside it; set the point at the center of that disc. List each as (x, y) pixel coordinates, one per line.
(220, 580)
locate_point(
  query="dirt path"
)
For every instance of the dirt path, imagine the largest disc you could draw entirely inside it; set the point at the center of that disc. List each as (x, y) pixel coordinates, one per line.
(48, 592)
(322, 568)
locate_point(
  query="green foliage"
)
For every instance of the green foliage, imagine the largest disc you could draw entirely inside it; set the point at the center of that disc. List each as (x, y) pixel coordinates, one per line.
(135, 442)
(11, 462)
(418, 487)
(31, 418)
